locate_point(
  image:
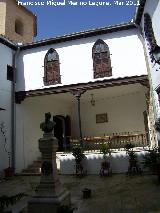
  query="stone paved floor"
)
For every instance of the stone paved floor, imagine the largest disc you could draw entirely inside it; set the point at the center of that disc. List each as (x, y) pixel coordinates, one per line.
(116, 194)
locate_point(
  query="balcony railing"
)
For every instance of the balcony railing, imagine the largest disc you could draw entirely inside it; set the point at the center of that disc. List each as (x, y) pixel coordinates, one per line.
(116, 141)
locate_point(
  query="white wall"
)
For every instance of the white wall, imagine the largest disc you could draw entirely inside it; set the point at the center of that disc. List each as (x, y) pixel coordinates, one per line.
(5, 102)
(125, 114)
(76, 65)
(153, 9)
(92, 163)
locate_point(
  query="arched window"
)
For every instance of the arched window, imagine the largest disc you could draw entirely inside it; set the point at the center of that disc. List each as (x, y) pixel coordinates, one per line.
(101, 60)
(51, 68)
(19, 27)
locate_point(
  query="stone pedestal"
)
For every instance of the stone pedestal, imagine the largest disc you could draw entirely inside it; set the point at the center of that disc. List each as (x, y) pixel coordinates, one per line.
(50, 194)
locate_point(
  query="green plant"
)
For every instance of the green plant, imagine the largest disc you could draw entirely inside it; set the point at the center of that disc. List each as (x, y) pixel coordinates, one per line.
(133, 167)
(128, 147)
(105, 165)
(132, 155)
(152, 161)
(5, 201)
(78, 153)
(105, 149)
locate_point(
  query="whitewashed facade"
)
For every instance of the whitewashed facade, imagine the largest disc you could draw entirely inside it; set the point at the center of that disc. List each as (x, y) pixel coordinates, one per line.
(123, 104)
(76, 64)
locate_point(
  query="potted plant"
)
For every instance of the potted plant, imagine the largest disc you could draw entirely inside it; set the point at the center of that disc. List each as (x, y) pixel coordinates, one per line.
(86, 193)
(9, 171)
(152, 161)
(78, 153)
(133, 167)
(105, 164)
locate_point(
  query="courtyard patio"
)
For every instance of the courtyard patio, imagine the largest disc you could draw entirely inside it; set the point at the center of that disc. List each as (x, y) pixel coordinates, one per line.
(116, 194)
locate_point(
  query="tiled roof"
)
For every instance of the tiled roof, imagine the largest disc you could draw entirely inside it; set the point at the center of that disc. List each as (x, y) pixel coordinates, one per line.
(79, 35)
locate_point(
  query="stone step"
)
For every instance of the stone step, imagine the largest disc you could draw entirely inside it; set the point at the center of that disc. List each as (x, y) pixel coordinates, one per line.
(31, 170)
(37, 162)
(34, 168)
(34, 165)
(29, 174)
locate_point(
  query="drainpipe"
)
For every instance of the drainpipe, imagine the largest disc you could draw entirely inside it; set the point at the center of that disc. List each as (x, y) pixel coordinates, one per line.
(13, 108)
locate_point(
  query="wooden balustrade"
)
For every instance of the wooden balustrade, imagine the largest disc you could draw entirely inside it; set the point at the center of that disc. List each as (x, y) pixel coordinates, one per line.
(116, 141)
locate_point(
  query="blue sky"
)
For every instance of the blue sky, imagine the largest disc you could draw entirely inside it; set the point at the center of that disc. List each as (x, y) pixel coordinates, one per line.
(59, 20)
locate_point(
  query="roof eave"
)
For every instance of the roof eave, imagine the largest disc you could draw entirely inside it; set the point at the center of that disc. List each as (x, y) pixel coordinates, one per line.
(8, 43)
(79, 35)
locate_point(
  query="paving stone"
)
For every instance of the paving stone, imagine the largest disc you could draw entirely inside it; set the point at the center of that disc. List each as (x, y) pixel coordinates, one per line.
(116, 194)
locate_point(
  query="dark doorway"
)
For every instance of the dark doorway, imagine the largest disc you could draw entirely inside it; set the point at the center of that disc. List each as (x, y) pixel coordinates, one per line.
(62, 131)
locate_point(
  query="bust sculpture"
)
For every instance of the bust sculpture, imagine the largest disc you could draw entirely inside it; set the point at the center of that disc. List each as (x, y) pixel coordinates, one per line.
(47, 126)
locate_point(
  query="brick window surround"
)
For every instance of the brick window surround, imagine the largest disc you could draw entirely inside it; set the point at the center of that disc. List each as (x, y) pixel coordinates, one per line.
(101, 60)
(51, 68)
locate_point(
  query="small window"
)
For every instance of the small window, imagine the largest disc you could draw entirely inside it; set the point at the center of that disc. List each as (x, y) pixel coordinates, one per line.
(9, 73)
(19, 27)
(101, 60)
